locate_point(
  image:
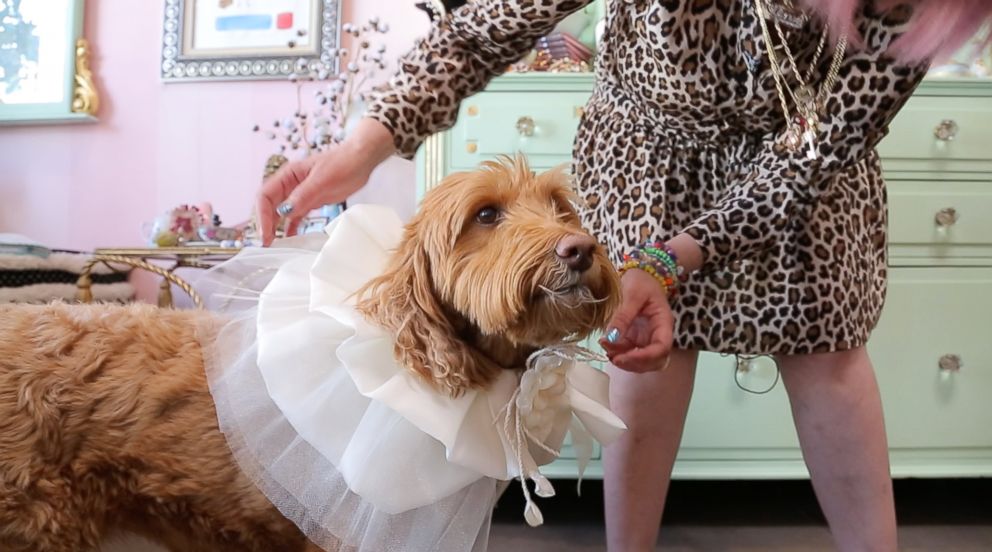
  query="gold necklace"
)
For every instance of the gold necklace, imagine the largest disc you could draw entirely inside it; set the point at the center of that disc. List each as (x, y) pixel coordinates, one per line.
(804, 127)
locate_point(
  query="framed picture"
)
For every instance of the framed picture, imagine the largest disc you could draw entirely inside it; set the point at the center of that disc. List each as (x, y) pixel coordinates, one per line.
(246, 39)
(44, 63)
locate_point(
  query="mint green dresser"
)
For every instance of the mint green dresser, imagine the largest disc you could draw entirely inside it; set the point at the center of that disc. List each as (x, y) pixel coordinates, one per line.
(933, 347)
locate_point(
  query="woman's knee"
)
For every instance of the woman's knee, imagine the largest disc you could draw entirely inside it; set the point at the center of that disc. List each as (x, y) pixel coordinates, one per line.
(833, 367)
(674, 380)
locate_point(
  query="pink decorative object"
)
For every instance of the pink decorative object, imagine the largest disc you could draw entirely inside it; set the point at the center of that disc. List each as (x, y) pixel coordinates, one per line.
(176, 227)
(186, 223)
(207, 212)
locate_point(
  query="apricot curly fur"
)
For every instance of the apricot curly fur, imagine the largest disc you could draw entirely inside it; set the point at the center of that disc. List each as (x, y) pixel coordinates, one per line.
(106, 423)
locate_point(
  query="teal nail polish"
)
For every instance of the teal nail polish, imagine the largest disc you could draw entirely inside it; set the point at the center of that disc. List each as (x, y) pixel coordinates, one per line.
(613, 335)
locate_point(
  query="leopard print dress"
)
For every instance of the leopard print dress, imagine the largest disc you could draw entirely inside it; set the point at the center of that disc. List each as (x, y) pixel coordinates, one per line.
(683, 134)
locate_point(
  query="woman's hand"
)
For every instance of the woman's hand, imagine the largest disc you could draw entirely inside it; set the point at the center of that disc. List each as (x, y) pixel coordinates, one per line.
(643, 325)
(322, 179)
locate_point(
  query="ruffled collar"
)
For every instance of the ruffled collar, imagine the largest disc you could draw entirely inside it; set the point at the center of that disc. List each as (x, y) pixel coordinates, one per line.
(507, 430)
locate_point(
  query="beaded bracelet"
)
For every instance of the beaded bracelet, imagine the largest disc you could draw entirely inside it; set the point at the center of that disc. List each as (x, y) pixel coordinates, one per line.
(669, 284)
(658, 260)
(664, 253)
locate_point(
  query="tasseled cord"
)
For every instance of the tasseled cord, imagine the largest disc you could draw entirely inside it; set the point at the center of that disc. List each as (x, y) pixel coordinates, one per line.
(518, 435)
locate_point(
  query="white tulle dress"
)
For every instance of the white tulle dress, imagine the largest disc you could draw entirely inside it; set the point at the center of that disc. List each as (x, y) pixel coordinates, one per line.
(346, 442)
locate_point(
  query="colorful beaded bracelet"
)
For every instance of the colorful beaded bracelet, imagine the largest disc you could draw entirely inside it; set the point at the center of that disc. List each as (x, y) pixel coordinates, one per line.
(669, 284)
(665, 254)
(660, 261)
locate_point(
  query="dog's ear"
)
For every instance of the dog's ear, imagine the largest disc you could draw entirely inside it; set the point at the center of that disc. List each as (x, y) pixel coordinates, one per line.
(403, 300)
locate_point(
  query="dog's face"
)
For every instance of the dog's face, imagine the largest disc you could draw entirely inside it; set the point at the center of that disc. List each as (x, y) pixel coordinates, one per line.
(507, 252)
(493, 266)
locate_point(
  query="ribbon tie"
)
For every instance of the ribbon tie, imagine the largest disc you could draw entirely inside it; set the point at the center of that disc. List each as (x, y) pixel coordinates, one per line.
(529, 414)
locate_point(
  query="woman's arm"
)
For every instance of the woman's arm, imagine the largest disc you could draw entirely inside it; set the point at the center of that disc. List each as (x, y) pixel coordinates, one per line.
(457, 59)
(460, 56)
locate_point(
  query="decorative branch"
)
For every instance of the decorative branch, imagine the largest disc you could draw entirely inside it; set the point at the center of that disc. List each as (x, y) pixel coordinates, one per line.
(324, 123)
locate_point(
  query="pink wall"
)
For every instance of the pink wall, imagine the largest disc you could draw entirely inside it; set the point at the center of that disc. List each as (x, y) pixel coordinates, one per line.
(159, 145)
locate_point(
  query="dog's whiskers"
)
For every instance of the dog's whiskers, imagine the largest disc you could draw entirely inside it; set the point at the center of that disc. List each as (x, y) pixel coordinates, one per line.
(572, 297)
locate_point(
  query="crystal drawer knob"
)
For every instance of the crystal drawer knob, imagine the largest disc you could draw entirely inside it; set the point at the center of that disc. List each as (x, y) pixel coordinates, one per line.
(950, 363)
(946, 217)
(744, 365)
(946, 131)
(525, 126)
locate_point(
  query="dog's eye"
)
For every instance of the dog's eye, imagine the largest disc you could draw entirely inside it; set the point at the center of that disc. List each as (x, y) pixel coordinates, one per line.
(487, 216)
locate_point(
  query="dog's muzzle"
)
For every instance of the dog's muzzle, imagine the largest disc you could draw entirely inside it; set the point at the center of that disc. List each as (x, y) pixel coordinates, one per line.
(575, 251)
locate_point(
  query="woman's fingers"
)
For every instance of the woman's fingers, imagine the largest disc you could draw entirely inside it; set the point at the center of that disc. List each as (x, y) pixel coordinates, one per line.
(265, 211)
(654, 347)
(278, 191)
(620, 326)
(643, 359)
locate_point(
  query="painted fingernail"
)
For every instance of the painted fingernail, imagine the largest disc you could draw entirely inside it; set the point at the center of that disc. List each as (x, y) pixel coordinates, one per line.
(284, 209)
(613, 335)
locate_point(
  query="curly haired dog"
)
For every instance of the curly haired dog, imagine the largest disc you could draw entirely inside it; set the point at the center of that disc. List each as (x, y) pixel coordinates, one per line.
(107, 423)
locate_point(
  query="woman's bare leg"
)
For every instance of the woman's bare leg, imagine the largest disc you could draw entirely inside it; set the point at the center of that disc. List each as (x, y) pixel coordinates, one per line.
(838, 415)
(638, 467)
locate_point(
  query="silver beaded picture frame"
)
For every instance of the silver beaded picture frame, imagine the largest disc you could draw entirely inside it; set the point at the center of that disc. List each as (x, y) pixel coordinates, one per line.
(231, 40)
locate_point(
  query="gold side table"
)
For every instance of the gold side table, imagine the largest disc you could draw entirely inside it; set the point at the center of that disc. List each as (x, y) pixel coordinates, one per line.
(142, 257)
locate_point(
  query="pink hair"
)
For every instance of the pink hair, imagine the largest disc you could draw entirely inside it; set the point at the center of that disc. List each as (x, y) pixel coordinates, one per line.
(938, 29)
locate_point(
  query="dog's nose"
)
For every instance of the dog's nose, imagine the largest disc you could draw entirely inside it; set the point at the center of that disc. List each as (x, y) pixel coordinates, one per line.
(575, 250)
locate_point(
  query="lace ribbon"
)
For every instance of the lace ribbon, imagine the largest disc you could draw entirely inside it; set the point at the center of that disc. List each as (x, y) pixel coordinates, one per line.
(528, 416)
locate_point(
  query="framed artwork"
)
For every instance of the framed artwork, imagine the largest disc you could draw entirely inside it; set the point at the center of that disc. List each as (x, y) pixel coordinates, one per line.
(246, 39)
(44, 63)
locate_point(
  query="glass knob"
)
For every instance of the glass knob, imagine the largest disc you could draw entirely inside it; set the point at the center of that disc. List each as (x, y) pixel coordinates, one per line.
(950, 363)
(946, 217)
(744, 365)
(946, 131)
(525, 126)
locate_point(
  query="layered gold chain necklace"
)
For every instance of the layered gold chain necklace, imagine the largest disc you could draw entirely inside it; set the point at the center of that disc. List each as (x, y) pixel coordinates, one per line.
(802, 127)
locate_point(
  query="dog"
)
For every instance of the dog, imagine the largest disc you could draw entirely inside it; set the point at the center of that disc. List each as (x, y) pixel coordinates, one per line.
(106, 418)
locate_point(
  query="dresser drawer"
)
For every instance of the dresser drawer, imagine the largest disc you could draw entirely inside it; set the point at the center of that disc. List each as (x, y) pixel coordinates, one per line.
(964, 126)
(936, 319)
(940, 213)
(541, 125)
(724, 416)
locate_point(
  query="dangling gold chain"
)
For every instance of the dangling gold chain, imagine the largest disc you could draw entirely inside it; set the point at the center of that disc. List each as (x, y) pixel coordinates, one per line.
(804, 126)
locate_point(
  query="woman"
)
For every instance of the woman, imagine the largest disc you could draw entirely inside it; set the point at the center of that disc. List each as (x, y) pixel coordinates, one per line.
(754, 169)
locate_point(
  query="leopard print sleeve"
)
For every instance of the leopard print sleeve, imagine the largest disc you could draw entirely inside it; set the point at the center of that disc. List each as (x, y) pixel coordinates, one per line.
(782, 185)
(457, 59)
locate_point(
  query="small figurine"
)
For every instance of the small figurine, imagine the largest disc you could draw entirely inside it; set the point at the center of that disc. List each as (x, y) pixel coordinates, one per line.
(174, 228)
